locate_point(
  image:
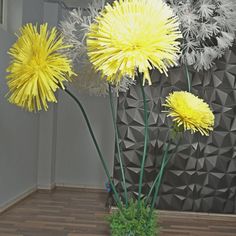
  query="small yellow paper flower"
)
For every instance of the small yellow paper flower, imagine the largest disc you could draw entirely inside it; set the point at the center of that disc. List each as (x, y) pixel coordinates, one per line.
(133, 34)
(37, 67)
(190, 112)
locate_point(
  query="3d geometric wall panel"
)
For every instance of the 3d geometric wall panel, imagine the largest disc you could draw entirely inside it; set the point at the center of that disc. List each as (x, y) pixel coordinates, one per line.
(202, 175)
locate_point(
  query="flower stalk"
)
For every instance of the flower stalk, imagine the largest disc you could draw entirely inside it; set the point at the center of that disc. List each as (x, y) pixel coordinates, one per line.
(159, 173)
(121, 162)
(157, 185)
(188, 77)
(116, 196)
(145, 140)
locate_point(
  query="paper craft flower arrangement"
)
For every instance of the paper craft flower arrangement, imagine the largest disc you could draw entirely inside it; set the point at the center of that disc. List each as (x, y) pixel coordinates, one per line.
(118, 46)
(208, 28)
(190, 112)
(114, 45)
(38, 67)
(75, 28)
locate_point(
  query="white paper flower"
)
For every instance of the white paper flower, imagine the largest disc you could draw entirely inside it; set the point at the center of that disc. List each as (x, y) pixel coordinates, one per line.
(74, 29)
(208, 28)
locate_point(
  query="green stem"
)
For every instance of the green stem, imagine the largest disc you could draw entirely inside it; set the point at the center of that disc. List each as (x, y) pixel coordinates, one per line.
(116, 196)
(157, 187)
(118, 146)
(158, 175)
(188, 77)
(145, 141)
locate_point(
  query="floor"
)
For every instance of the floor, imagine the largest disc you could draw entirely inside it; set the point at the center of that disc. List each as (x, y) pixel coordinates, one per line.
(68, 212)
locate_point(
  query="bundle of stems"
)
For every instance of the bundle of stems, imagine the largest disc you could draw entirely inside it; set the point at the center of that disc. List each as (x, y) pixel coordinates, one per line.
(151, 198)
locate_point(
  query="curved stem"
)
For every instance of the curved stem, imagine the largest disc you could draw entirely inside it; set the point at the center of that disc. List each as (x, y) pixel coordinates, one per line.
(145, 141)
(118, 146)
(157, 187)
(116, 196)
(188, 77)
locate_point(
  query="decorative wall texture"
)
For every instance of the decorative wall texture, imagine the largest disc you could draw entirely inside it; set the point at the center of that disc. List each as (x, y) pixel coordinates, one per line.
(202, 176)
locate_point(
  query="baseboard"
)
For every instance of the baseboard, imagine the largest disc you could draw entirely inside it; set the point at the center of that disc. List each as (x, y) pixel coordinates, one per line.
(185, 213)
(67, 186)
(51, 187)
(78, 186)
(46, 187)
(196, 214)
(17, 199)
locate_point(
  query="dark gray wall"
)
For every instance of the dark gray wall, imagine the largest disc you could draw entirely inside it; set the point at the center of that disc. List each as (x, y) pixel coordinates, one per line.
(202, 175)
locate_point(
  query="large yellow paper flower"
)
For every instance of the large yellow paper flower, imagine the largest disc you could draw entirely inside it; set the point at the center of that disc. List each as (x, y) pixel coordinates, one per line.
(190, 112)
(133, 34)
(37, 67)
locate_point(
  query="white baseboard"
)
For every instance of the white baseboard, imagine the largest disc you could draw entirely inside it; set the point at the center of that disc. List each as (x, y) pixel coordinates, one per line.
(46, 187)
(64, 185)
(196, 214)
(16, 199)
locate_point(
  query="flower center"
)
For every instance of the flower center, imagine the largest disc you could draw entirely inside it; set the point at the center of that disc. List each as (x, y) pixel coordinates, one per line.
(37, 60)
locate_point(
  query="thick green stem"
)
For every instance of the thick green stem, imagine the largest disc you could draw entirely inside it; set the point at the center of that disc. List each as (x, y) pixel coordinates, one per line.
(158, 175)
(145, 141)
(116, 196)
(188, 77)
(118, 146)
(157, 187)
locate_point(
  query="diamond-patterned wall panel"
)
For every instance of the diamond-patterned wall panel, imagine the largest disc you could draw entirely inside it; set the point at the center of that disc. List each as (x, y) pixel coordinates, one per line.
(202, 176)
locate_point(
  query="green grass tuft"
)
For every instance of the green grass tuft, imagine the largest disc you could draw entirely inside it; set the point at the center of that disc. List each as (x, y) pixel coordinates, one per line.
(132, 222)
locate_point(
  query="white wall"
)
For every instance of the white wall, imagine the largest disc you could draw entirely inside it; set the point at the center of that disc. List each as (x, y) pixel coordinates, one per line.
(18, 129)
(77, 162)
(54, 147)
(67, 155)
(18, 139)
(47, 123)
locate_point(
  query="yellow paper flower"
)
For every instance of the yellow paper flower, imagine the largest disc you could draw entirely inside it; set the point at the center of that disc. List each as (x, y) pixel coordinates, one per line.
(190, 112)
(133, 34)
(37, 67)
